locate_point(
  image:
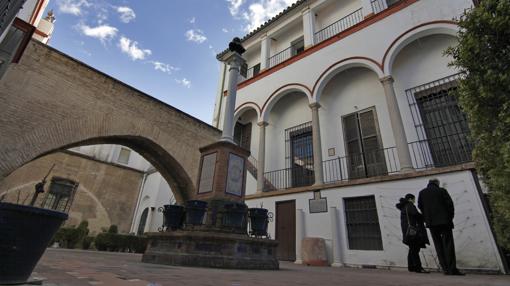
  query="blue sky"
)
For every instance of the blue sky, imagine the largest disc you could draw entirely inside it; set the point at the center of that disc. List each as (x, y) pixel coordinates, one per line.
(165, 48)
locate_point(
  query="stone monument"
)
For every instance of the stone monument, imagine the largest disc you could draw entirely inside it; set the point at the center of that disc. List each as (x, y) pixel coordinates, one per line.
(220, 240)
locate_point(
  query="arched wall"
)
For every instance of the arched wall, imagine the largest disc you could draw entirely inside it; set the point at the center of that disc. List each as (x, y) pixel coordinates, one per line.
(51, 102)
(280, 93)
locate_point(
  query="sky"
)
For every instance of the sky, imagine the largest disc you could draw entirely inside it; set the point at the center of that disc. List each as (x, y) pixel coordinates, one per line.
(165, 48)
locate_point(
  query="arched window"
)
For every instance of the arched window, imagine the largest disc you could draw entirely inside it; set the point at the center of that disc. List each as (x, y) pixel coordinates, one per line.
(143, 221)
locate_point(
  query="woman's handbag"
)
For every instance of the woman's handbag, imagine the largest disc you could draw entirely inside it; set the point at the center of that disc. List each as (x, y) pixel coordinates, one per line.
(412, 231)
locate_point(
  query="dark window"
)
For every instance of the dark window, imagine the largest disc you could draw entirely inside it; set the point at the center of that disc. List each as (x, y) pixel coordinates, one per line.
(244, 70)
(256, 69)
(143, 221)
(362, 223)
(365, 156)
(298, 46)
(242, 135)
(60, 194)
(440, 121)
(300, 154)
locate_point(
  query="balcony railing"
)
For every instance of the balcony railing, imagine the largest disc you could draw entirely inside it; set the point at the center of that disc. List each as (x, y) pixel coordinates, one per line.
(339, 26)
(363, 165)
(280, 57)
(449, 150)
(289, 178)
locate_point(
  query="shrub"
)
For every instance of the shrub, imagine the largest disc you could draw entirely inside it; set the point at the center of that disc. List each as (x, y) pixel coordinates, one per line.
(120, 242)
(71, 237)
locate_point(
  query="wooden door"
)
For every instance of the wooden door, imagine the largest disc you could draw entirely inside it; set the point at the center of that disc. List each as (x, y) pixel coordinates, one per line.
(286, 230)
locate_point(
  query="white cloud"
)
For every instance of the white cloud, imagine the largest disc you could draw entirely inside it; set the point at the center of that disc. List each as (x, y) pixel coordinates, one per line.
(102, 32)
(131, 48)
(184, 82)
(193, 20)
(234, 6)
(225, 30)
(126, 14)
(72, 6)
(166, 68)
(196, 36)
(263, 10)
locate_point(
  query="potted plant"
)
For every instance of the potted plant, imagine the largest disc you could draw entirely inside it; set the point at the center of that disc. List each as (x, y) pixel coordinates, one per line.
(259, 219)
(173, 216)
(25, 232)
(195, 212)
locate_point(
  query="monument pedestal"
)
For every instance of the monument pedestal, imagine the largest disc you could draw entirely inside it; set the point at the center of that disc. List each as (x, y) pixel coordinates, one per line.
(211, 249)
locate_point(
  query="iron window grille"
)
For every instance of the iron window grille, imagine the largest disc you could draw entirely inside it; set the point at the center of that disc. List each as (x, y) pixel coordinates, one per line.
(440, 124)
(60, 195)
(363, 230)
(299, 154)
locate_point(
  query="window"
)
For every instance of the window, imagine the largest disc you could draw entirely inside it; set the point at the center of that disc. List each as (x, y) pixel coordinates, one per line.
(362, 223)
(300, 154)
(365, 157)
(60, 194)
(124, 155)
(244, 70)
(298, 46)
(438, 117)
(256, 69)
(242, 135)
(143, 221)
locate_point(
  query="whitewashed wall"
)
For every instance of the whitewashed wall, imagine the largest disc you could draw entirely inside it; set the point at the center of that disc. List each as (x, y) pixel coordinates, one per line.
(475, 245)
(333, 11)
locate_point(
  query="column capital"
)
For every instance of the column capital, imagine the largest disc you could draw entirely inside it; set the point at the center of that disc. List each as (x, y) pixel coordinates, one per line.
(262, 123)
(387, 79)
(235, 60)
(314, 105)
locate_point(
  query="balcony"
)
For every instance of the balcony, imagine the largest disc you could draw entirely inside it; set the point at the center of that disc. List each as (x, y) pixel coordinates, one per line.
(439, 152)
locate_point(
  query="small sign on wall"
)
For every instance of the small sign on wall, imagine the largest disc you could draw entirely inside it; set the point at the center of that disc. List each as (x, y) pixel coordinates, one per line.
(318, 204)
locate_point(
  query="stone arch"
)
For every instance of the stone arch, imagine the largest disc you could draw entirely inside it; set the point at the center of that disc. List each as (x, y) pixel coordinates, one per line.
(420, 31)
(141, 136)
(245, 107)
(341, 66)
(281, 92)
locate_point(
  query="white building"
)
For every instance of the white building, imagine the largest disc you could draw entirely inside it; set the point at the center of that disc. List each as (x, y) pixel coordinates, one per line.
(345, 107)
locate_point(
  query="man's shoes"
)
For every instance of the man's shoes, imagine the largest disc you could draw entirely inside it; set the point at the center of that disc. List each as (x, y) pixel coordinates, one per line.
(422, 271)
(456, 272)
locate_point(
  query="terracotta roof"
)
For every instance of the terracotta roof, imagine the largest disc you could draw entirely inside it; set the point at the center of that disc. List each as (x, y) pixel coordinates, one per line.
(267, 23)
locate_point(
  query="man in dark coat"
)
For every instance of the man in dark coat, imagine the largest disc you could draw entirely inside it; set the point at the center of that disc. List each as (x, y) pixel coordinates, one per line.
(437, 208)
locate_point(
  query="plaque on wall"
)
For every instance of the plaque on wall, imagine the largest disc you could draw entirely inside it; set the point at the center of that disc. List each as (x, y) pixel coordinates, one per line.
(207, 173)
(318, 204)
(235, 175)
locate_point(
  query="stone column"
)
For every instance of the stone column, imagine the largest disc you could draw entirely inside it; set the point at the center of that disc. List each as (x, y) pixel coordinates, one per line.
(317, 148)
(300, 234)
(234, 61)
(265, 47)
(366, 6)
(397, 125)
(337, 253)
(262, 156)
(308, 27)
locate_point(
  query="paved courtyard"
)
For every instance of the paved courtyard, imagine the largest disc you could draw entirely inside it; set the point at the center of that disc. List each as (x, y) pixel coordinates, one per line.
(84, 268)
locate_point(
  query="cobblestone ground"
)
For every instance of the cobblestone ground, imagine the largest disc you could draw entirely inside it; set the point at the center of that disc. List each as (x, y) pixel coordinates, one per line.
(84, 268)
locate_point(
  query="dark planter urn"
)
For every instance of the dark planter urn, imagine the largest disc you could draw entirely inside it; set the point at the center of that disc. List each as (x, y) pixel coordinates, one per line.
(195, 212)
(25, 232)
(259, 220)
(234, 215)
(173, 216)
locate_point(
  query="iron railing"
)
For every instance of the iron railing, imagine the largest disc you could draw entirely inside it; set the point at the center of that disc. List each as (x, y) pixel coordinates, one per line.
(339, 26)
(378, 6)
(450, 150)
(289, 178)
(8, 10)
(363, 165)
(280, 57)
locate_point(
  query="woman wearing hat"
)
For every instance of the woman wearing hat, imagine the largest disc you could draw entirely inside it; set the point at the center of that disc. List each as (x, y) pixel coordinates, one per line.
(413, 232)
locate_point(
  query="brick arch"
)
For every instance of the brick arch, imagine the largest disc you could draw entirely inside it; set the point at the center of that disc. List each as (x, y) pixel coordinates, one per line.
(52, 102)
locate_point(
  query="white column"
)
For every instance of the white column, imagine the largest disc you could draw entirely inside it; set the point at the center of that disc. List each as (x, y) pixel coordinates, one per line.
(308, 27)
(337, 253)
(265, 49)
(397, 125)
(366, 6)
(300, 234)
(316, 141)
(234, 61)
(262, 156)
